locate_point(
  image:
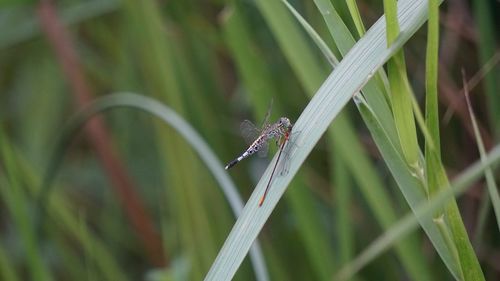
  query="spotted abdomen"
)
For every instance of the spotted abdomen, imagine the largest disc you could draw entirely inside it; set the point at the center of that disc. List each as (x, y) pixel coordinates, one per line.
(252, 149)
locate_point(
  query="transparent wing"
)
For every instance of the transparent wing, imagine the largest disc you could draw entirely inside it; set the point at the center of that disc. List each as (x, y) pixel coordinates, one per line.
(284, 165)
(263, 150)
(249, 131)
(268, 113)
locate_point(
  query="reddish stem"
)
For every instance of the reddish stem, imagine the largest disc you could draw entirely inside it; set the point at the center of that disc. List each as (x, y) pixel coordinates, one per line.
(97, 133)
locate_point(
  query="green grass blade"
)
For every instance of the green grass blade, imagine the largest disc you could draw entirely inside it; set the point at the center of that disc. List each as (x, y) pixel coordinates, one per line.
(14, 197)
(431, 74)
(490, 179)
(341, 134)
(159, 60)
(254, 73)
(391, 16)
(400, 91)
(344, 41)
(425, 209)
(356, 17)
(284, 28)
(375, 193)
(7, 271)
(167, 115)
(256, 77)
(435, 173)
(318, 251)
(484, 16)
(343, 201)
(323, 47)
(344, 136)
(431, 99)
(433, 168)
(358, 66)
(310, 73)
(17, 32)
(64, 220)
(61, 214)
(411, 186)
(402, 109)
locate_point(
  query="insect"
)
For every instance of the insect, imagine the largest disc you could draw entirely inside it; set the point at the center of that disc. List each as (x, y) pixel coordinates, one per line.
(259, 139)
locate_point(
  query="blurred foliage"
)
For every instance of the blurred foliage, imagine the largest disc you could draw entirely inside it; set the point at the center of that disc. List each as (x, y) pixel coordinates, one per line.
(217, 63)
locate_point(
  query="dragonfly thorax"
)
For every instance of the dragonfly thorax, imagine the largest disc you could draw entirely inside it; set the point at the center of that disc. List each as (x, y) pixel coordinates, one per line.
(285, 123)
(279, 131)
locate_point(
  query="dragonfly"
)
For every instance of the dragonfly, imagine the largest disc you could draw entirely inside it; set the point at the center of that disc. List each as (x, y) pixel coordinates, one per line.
(259, 139)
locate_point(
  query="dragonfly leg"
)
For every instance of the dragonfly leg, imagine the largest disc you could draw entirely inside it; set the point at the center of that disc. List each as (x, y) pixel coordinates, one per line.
(278, 141)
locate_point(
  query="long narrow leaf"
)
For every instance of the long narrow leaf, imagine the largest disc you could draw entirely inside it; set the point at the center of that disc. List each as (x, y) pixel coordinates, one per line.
(490, 179)
(400, 91)
(425, 209)
(358, 66)
(183, 128)
(351, 150)
(256, 77)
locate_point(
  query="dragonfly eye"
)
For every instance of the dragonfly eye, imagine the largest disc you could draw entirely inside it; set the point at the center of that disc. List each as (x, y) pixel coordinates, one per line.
(285, 122)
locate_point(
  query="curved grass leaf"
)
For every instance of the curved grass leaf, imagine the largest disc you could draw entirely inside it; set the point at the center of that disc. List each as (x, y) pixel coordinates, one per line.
(425, 209)
(411, 186)
(459, 257)
(167, 115)
(371, 186)
(352, 73)
(256, 76)
(344, 41)
(490, 179)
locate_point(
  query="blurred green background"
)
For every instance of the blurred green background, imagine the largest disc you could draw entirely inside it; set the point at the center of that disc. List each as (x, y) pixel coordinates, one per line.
(132, 201)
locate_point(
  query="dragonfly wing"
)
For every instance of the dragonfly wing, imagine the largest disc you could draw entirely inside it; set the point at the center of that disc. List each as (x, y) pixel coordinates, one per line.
(284, 165)
(268, 114)
(263, 150)
(290, 146)
(249, 131)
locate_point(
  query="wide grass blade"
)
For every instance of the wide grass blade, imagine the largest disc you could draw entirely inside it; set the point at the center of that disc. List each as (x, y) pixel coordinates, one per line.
(167, 115)
(411, 185)
(425, 209)
(256, 77)
(344, 40)
(358, 66)
(351, 150)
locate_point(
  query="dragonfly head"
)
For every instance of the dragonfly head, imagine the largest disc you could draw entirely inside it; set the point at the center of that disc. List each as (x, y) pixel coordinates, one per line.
(285, 123)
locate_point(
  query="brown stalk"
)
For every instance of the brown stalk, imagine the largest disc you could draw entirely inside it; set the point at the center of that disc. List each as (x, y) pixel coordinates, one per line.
(97, 134)
(449, 96)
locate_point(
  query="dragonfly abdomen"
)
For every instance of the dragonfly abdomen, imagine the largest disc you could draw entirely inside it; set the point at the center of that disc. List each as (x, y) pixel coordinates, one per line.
(254, 147)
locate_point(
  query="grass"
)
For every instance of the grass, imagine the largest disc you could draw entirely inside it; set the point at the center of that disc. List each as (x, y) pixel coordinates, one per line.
(369, 194)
